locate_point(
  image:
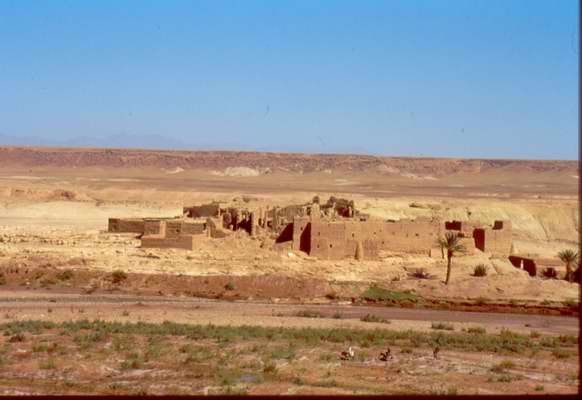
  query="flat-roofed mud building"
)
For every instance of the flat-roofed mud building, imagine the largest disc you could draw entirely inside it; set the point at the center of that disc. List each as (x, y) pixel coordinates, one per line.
(327, 239)
(334, 230)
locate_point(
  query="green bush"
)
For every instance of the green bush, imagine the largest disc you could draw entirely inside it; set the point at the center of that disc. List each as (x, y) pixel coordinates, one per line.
(286, 353)
(477, 330)
(374, 318)
(561, 353)
(380, 294)
(309, 314)
(65, 275)
(270, 369)
(118, 276)
(442, 326)
(47, 364)
(230, 286)
(420, 273)
(480, 270)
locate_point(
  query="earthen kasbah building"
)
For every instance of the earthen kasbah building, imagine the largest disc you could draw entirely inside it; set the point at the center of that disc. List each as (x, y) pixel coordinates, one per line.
(333, 231)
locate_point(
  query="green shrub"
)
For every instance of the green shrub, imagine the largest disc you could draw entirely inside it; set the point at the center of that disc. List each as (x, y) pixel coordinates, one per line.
(420, 273)
(309, 314)
(132, 362)
(270, 368)
(47, 364)
(230, 286)
(118, 276)
(379, 294)
(16, 338)
(561, 353)
(480, 270)
(442, 326)
(287, 353)
(480, 301)
(505, 378)
(326, 384)
(374, 318)
(571, 303)
(65, 275)
(298, 381)
(476, 330)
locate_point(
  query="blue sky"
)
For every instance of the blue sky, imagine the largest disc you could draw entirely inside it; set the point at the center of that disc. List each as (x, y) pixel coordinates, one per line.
(465, 78)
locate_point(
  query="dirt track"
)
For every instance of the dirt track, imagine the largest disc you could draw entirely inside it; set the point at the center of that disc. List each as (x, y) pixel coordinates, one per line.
(25, 305)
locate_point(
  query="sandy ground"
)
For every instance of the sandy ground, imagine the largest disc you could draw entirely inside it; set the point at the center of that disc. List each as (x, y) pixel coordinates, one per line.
(73, 234)
(53, 219)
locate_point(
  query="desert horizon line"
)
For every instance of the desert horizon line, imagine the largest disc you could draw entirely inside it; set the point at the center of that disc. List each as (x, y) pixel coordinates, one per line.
(303, 153)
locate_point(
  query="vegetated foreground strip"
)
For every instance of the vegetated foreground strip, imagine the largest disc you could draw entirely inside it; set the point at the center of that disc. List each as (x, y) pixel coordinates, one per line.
(151, 309)
(128, 358)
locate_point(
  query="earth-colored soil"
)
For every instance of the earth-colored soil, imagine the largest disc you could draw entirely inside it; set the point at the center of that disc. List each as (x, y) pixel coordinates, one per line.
(82, 357)
(54, 205)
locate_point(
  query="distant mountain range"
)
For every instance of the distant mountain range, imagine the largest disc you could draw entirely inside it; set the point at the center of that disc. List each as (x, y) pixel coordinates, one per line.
(112, 141)
(407, 167)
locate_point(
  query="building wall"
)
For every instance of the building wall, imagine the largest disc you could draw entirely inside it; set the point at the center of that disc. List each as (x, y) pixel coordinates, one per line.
(300, 225)
(338, 239)
(125, 225)
(214, 225)
(524, 263)
(154, 227)
(335, 240)
(498, 240)
(203, 211)
(185, 242)
(465, 227)
(193, 228)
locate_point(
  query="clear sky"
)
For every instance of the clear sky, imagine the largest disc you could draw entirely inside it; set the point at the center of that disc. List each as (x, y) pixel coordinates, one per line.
(465, 78)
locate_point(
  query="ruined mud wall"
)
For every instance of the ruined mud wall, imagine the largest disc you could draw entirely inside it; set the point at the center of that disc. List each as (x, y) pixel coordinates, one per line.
(214, 225)
(417, 236)
(185, 242)
(302, 234)
(498, 240)
(202, 211)
(125, 225)
(337, 240)
(153, 227)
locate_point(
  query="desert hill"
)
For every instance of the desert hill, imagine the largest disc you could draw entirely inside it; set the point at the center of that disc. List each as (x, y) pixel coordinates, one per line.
(273, 162)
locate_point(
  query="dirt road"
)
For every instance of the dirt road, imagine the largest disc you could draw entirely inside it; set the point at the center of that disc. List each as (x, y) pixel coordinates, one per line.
(61, 306)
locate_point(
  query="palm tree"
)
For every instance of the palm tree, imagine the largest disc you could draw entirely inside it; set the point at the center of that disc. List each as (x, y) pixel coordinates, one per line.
(568, 257)
(452, 244)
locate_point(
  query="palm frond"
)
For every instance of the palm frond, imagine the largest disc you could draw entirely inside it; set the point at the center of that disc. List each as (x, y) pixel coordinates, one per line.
(451, 242)
(568, 256)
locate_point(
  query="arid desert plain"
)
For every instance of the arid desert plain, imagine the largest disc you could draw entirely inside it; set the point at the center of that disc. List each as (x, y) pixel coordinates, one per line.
(88, 311)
